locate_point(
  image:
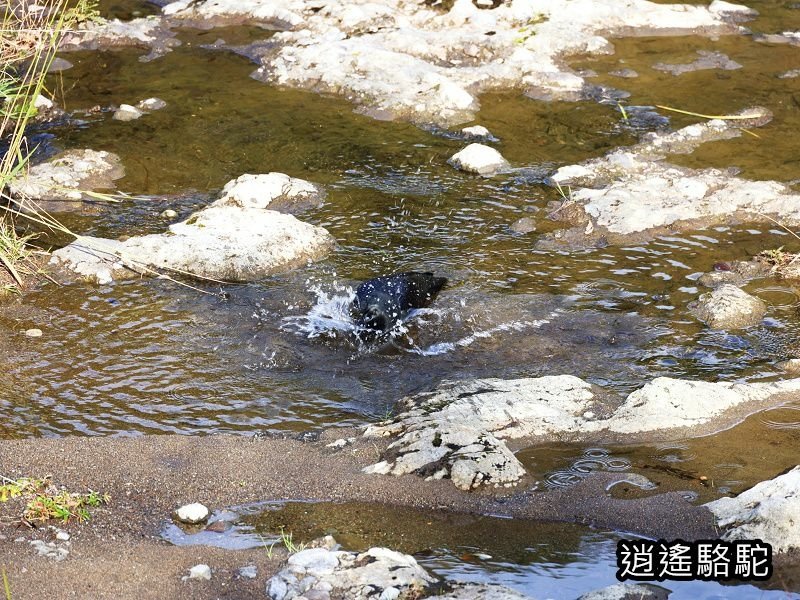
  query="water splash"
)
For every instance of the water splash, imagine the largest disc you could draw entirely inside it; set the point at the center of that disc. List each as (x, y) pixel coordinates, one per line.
(329, 315)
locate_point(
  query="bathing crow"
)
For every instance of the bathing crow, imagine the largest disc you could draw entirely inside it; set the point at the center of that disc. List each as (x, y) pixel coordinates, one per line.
(382, 302)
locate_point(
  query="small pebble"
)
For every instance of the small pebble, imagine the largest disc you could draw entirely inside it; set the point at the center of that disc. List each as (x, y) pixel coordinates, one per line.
(192, 513)
(62, 535)
(248, 572)
(169, 214)
(477, 131)
(219, 526)
(34, 332)
(200, 571)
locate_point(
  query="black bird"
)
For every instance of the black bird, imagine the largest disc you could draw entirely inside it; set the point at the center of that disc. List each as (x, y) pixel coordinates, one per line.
(382, 302)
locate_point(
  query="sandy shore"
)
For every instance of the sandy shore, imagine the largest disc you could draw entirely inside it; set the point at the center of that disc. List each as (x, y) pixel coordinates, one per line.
(119, 553)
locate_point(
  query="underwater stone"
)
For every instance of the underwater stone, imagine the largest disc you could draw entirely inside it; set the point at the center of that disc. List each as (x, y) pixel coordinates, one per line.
(151, 104)
(628, 591)
(126, 112)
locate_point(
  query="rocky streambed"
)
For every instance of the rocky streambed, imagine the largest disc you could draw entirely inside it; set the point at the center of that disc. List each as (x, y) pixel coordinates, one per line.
(613, 350)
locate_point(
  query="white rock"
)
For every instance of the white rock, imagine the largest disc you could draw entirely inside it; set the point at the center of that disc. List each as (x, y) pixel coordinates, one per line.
(42, 103)
(314, 561)
(33, 332)
(390, 593)
(201, 571)
(722, 7)
(769, 511)
(169, 214)
(62, 536)
(635, 191)
(192, 513)
(481, 591)
(225, 241)
(477, 132)
(65, 176)
(50, 550)
(340, 443)
(126, 112)
(728, 307)
(273, 190)
(459, 427)
(248, 572)
(790, 366)
(323, 573)
(479, 159)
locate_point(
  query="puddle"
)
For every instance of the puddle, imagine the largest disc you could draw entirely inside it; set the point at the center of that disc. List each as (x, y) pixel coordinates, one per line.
(544, 560)
(703, 469)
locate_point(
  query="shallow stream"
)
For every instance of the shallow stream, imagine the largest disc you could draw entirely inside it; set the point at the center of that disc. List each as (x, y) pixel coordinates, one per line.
(144, 357)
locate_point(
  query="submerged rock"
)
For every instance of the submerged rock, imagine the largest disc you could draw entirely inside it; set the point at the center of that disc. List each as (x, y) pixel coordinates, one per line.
(479, 159)
(151, 104)
(628, 591)
(126, 112)
(66, 176)
(458, 430)
(326, 573)
(707, 60)
(769, 511)
(151, 32)
(728, 307)
(232, 240)
(523, 225)
(481, 591)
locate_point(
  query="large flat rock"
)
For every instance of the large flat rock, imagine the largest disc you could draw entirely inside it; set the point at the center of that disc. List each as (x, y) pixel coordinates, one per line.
(460, 430)
(634, 194)
(238, 238)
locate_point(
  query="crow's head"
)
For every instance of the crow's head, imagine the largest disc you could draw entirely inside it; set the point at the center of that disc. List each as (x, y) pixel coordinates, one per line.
(373, 317)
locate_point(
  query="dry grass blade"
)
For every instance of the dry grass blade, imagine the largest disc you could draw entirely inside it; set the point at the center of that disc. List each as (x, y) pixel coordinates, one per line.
(702, 116)
(6, 585)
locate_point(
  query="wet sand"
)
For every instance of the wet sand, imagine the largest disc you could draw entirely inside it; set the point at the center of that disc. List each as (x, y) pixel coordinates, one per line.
(119, 553)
